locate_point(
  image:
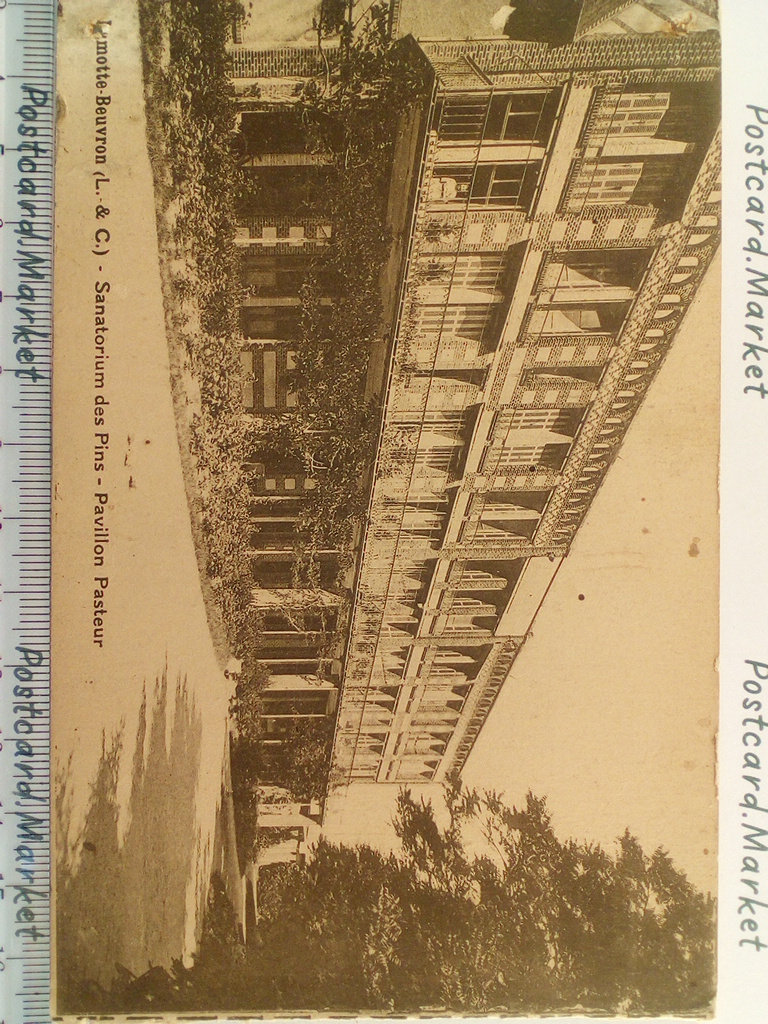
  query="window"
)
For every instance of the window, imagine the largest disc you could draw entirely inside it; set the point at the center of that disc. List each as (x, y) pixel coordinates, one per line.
(247, 365)
(519, 456)
(605, 317)
(423, 517)
(551, 455)
(435, 417)
(436, 715)
(269, 366)
(371, 743)
(463, 118)
(594, 274)
(523, 116)
(446, 439)
(504, 530)
(473, 605)
(518, 517)
(447, 673)
(483, 272)
(423, 744)
(526, 419)
(505, 184)
(271, 322)
(608, 182)
(509, 448)
(268, 274)
(478, 579)
(364, 761)
(445, 657)
(509, 185)
(297, 704)
(553, 379)
(639, 114)
(376, 716)
(436, 458)
(451, 184)
(397, 629)
(434, 700)
(463, 321)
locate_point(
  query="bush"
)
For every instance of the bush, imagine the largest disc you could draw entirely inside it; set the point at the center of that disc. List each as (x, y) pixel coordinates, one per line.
(191, 124)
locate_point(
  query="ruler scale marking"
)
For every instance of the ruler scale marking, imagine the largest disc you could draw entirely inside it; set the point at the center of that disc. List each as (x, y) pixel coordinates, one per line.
(27, 30)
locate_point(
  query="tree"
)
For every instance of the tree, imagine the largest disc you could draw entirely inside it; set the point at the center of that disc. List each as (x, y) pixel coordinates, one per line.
(552, 21)
(533, 925)
(333, 15)
(301, 762)
(572, 925)
(245, 705)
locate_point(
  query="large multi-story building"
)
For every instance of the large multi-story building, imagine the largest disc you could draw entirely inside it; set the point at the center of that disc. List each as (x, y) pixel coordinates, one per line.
(564, 206)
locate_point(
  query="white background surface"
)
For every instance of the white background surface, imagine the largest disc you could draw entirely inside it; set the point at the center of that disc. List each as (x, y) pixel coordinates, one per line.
(743, 984)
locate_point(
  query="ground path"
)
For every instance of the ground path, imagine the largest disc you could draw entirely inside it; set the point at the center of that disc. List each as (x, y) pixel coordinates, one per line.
(155, 623)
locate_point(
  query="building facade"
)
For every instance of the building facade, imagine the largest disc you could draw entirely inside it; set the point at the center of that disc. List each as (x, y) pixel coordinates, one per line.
(279, 237)
(565, 208)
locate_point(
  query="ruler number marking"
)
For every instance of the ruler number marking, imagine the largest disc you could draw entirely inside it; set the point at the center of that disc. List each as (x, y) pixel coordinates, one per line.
(25, 503)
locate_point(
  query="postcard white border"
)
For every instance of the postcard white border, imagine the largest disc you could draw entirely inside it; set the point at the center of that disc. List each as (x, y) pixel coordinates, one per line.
(743, 967)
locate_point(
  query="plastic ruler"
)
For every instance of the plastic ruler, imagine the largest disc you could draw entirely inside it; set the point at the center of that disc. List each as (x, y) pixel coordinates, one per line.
(27, 110)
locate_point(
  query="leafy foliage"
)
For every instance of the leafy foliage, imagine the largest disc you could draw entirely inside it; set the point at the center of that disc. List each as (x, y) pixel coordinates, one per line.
(352, 113)
(353, 116)
(299, 764)
(533, 925)
(332, 16)
(191, 120)
(245, 705)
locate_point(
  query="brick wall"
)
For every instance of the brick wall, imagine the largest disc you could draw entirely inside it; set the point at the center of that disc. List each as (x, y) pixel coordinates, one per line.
(652, 51)
(287, 61)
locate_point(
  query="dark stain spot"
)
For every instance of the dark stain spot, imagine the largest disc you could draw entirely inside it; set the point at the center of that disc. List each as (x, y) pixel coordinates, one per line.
(581, 597)
(693, 550)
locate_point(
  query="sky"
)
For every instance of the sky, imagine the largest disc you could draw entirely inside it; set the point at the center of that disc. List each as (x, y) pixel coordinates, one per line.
(277, 22)
(610, 709)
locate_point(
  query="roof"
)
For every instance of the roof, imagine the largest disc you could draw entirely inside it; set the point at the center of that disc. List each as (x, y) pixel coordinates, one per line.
(595, 11)
(647, 16)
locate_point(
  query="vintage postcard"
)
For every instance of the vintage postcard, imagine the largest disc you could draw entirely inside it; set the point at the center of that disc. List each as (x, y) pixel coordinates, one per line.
(385, 516)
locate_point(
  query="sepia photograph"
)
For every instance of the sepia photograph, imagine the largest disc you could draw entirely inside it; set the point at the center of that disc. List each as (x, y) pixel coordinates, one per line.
(385, 513)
